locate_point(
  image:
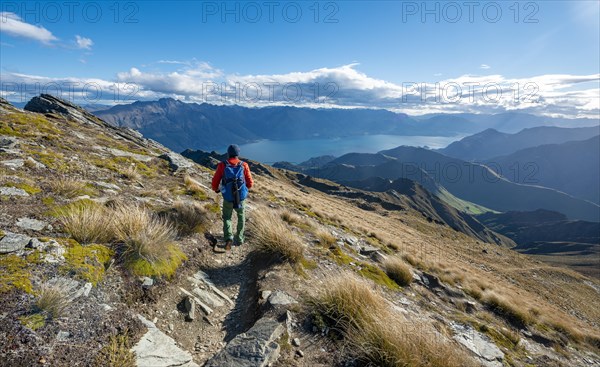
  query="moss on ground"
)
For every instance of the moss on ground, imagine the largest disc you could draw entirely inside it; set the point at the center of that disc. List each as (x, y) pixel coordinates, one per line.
(86, 262)
(27, 125)
(377, 275)
(30, 189)
(34, 321)
(16, 274)
(164, 267)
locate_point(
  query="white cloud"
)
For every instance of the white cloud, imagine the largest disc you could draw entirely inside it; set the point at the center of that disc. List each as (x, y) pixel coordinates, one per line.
(84, 43)
(343, 87)
(12, 24)
(485, 67)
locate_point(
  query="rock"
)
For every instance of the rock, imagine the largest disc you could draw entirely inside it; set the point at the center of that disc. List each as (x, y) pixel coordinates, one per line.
(487, 352)
(12, 242)
(147, 282)
(265, 294)
(279, 298)
(254, 348)
(208, 298)
(31, 224)
(296, 342)
(62, 336)
(190, 307)
(13, 191)
(300, 353)
(156, 349)
(368, 250)
(176, 161)
(105, 307)
(83, 291)
(431, 281)
(202, 276)
(55, 253)
(34, 163)
(14, 163)
(8, 142)
(107, 185)
(36, 244)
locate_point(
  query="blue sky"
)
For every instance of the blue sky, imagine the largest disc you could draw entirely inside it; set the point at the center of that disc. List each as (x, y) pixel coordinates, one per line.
(372, 53)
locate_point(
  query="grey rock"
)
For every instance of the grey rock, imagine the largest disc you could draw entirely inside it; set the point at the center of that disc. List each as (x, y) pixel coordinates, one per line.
(55, 253)
(147, 282)
(122, 153)
(368, 250)
(107, 185)
(208, 298)
(265, 294)
(480, 345)
(13, 191)
(9, 142)
(31, 224)
(35, 163)
(177, 161)
(190, 308)
(14, 163)
(36, 244)
(157, 349)
(254, 348)
(431, 281)
(62, 336)
(12, 242)
(296, 342)
(300, 353)
(279, 298)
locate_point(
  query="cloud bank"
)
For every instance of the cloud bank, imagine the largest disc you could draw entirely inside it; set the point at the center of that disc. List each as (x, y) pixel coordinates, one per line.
(557, 95)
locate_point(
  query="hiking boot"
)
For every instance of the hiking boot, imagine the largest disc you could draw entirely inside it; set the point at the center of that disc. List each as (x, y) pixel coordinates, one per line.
(228, 245)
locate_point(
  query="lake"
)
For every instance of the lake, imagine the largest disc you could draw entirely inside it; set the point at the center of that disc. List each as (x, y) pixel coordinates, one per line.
(296, 151)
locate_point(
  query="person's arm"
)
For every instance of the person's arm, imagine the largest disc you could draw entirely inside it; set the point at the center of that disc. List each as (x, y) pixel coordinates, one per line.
(216, 181)
(248, 176)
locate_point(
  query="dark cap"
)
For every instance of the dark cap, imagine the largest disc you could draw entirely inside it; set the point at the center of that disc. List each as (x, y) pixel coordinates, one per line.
(233, 150)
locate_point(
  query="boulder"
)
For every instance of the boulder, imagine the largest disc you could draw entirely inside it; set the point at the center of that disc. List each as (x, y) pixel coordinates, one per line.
(480, 345)
(31, 224)
(14, 163)
(12, 242)
(157, 349)
(176, 161)
(279, 298)
(208, 298)
(254, 348)
(13, 191)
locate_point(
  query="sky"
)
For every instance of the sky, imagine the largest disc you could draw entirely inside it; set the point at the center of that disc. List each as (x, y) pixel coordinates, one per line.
(414, 57)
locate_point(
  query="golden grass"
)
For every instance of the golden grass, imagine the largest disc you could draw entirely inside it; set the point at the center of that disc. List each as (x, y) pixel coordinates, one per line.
(141, 234)
(377, 335)
(326, 239)
(194, 188)
(270, 234)
(131, 173)
(188, 217)
(398, 271)
(52, 300)
(86, 221)
(514, 312)
(70, 187)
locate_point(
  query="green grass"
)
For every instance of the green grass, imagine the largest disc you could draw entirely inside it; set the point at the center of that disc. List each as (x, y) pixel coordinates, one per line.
(34, 321)
(16, 274)
(30, 189)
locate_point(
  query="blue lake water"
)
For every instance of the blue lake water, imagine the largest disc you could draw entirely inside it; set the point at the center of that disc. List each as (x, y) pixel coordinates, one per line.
(296, 151)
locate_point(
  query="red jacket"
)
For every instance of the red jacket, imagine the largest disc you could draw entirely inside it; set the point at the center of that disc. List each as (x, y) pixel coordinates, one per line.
(216, 181)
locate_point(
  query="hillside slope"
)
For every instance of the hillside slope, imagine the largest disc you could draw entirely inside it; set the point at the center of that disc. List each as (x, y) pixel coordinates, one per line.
(572, 167)
(106, 260)
(491, 143)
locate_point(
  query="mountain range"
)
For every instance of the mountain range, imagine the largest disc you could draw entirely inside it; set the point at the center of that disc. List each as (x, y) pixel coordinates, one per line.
(492, 143)
(180, 125)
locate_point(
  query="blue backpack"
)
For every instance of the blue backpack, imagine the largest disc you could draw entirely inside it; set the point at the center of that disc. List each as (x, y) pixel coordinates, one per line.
(233, 184)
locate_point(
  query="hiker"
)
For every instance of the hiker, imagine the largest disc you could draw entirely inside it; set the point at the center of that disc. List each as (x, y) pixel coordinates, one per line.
(233, 179)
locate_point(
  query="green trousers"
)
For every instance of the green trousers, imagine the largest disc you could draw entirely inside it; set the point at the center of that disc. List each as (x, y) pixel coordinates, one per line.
(241, 221)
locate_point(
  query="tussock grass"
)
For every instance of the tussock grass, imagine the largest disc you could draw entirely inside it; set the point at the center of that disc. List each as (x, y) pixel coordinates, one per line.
(376, 335)
(52, 300)
(295, 220)
(146, 241)
(188, 217)
(513, 312)
(142, 233)
(398, 271)
(325, 239)
(131, 173)
(117, 353)
(86, 221)
(194, 188)
(70, 187)
(270, 234)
